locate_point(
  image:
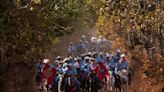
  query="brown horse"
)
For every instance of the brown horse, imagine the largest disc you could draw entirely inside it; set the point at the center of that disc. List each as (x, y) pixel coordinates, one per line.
(95, 82)
(71, 85)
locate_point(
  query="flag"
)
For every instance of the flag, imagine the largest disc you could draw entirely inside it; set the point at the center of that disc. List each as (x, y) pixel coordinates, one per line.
(51, 77)
(48, 73)
(103, 72)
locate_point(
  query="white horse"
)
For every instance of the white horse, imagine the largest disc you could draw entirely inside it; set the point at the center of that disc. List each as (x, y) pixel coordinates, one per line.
(57, 86)
(124, 78)
(61, 76)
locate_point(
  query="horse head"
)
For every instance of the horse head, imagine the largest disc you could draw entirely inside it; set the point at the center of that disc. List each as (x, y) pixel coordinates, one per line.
(71, 85)
(123, 73)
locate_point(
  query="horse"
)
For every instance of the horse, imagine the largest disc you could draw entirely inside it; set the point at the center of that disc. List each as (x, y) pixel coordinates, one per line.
(124, 77)
(110, 83)
(122, 80)
(58, 83)
(71, 84)
(95, 83)
(84, 80)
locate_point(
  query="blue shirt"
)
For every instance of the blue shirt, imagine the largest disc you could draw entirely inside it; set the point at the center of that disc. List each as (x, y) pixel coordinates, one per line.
(116, 58)
(71, 72)
(123, 65)
(54, 65)
(39, 67)
(82, 64)
(61, 70)
(71, 48)
(99, 59)
(110, 63)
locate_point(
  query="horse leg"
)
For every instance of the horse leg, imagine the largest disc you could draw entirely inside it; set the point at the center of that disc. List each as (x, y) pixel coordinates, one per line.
(88, 86)
(112, 84)
(59, 84)
(126, 87)
(129, 78)
(42, 87)
(47, 88)
(119, 88)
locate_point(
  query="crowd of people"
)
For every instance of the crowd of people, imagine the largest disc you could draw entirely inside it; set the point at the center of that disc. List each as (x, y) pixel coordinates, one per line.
(85, 45)
(95, 65)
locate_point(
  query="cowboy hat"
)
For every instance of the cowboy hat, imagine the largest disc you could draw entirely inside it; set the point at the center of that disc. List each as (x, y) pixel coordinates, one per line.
(46, 60)
(122, 55)
(58, 57)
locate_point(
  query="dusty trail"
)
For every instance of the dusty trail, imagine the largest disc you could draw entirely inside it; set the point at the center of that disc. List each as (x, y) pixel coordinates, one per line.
(61, 47)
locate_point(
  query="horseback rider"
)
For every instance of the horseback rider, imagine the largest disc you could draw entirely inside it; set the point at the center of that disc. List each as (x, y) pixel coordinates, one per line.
(117, 56)
(60, 67)
(39, 67)
(123, 63)
(96, 82)
(110, 62)
(98, 57)
(86, 67)
(121, 74)
(56, 62)
(94, 65)
(47, 74)
(72, 49)
(94, 45)
(101, 41)
(83, 38)
(82, 46)
(77, 64)
(71, 73)
(58, 80)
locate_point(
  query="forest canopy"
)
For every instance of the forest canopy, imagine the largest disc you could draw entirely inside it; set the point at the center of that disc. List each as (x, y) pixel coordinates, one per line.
(29, 27)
